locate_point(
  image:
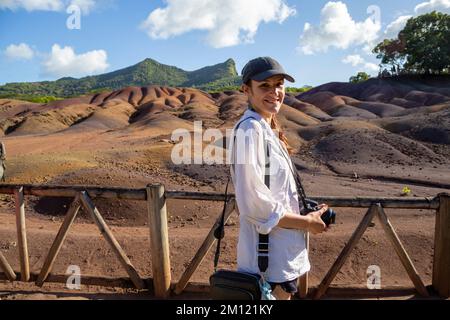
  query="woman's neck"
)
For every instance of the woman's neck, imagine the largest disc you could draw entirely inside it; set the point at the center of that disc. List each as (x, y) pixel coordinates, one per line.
(265, 116)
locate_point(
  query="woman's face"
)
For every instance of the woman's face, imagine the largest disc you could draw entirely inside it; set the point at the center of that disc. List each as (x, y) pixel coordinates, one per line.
(266, 96)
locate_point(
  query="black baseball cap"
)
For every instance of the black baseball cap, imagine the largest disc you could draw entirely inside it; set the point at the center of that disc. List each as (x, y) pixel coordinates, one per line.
(262, 68)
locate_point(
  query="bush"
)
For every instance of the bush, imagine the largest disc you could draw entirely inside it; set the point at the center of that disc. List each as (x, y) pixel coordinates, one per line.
(360, 77)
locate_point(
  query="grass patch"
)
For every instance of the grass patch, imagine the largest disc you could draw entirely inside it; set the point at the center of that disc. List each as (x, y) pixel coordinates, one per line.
(30, 98)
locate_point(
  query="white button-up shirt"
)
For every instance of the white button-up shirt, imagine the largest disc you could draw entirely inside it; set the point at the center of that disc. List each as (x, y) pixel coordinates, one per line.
(260, 208)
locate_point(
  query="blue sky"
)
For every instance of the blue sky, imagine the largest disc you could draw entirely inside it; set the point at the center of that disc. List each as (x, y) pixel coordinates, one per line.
(37, 45)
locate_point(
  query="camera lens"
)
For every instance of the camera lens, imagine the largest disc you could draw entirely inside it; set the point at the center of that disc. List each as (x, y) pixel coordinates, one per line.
(329, 217)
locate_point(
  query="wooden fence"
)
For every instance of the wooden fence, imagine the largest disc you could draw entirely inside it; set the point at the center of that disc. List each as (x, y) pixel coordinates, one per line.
(161, 283)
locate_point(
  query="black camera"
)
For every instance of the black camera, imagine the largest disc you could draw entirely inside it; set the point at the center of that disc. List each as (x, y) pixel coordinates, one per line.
(328, 217)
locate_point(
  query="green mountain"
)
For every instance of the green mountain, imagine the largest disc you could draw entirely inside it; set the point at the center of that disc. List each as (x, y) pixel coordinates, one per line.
(147, 72)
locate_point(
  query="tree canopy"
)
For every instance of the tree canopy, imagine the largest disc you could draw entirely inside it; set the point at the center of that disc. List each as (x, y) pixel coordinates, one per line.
(422, 47)
(360, 77)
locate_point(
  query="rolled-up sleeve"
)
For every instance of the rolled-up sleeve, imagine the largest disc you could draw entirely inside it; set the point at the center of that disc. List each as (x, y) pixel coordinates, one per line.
(254, 199)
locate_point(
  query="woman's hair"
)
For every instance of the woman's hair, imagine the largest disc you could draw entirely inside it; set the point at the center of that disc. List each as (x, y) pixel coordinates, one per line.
(277, 128)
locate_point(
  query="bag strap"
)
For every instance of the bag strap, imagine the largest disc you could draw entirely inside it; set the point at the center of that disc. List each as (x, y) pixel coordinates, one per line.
(263, 240)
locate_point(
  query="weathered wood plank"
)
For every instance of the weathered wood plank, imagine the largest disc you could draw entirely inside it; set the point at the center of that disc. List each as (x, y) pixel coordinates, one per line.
(401, 252)
(159, 240)
(57, 243)
(356, 236)
(22, 234)
(6, 267)
(303, 283)
(203, 250)
(441, 260)
(72, 191)
(108, 235)
(140, 194)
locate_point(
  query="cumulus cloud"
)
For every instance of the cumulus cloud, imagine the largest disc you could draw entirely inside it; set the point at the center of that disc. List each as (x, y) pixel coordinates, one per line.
(337, 29)
(357, 61)
(85, 6)
(19, 52)
(32, 5)
(63, 62)
(393, 29)
(433, 5)
(47, 5)
(228, 22)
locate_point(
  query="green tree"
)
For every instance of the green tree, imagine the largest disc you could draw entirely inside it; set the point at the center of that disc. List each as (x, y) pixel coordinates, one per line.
(427, 43)
(360, 77)
(298, 90)
(423, 46)
(392, 53)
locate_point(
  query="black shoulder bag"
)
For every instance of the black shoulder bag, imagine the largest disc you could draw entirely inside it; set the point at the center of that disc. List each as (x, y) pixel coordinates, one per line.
(234, 285)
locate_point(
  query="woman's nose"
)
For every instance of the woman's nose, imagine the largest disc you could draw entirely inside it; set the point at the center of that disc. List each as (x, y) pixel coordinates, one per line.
(274, 90)
(278, 90)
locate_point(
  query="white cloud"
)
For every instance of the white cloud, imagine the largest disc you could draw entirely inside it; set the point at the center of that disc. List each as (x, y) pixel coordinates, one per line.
(354, 60)
(63, 62)
(85, 5)
(432, 5)
(32, 5)
(229, 22)
(357, 61)
(19, 52)
(337, 29)
(47, 5)
(393, 29)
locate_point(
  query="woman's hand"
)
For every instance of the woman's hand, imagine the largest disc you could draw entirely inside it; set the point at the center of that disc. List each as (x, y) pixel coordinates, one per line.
(312, 222)
(316, 224)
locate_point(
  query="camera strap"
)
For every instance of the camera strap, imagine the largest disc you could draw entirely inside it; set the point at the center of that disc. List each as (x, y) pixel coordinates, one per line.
(263, 239)
(296, 175)
(298, 183)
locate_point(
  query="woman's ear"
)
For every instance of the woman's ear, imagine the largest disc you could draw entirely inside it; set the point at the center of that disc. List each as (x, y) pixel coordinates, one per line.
(244, 88)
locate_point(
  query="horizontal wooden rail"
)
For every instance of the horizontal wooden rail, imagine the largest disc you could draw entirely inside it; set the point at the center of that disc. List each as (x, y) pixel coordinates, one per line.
(119, 282)
(141, 194)
(72, 191)
(203, 288)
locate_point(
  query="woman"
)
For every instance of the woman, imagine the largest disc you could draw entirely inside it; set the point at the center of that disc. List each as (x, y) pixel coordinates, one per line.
(265, 187)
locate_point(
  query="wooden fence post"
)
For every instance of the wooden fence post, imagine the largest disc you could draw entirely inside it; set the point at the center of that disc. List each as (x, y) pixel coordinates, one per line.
(303, 283)
(401, 252)
(57, 244)
(204, 249)
(441, 260)
(357, 234)
(22, 235)
(4, 265)
(109, 237)
(159, 240)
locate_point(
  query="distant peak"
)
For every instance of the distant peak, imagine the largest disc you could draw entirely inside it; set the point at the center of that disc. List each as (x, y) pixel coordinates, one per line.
(66, 78)
(149, 60)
